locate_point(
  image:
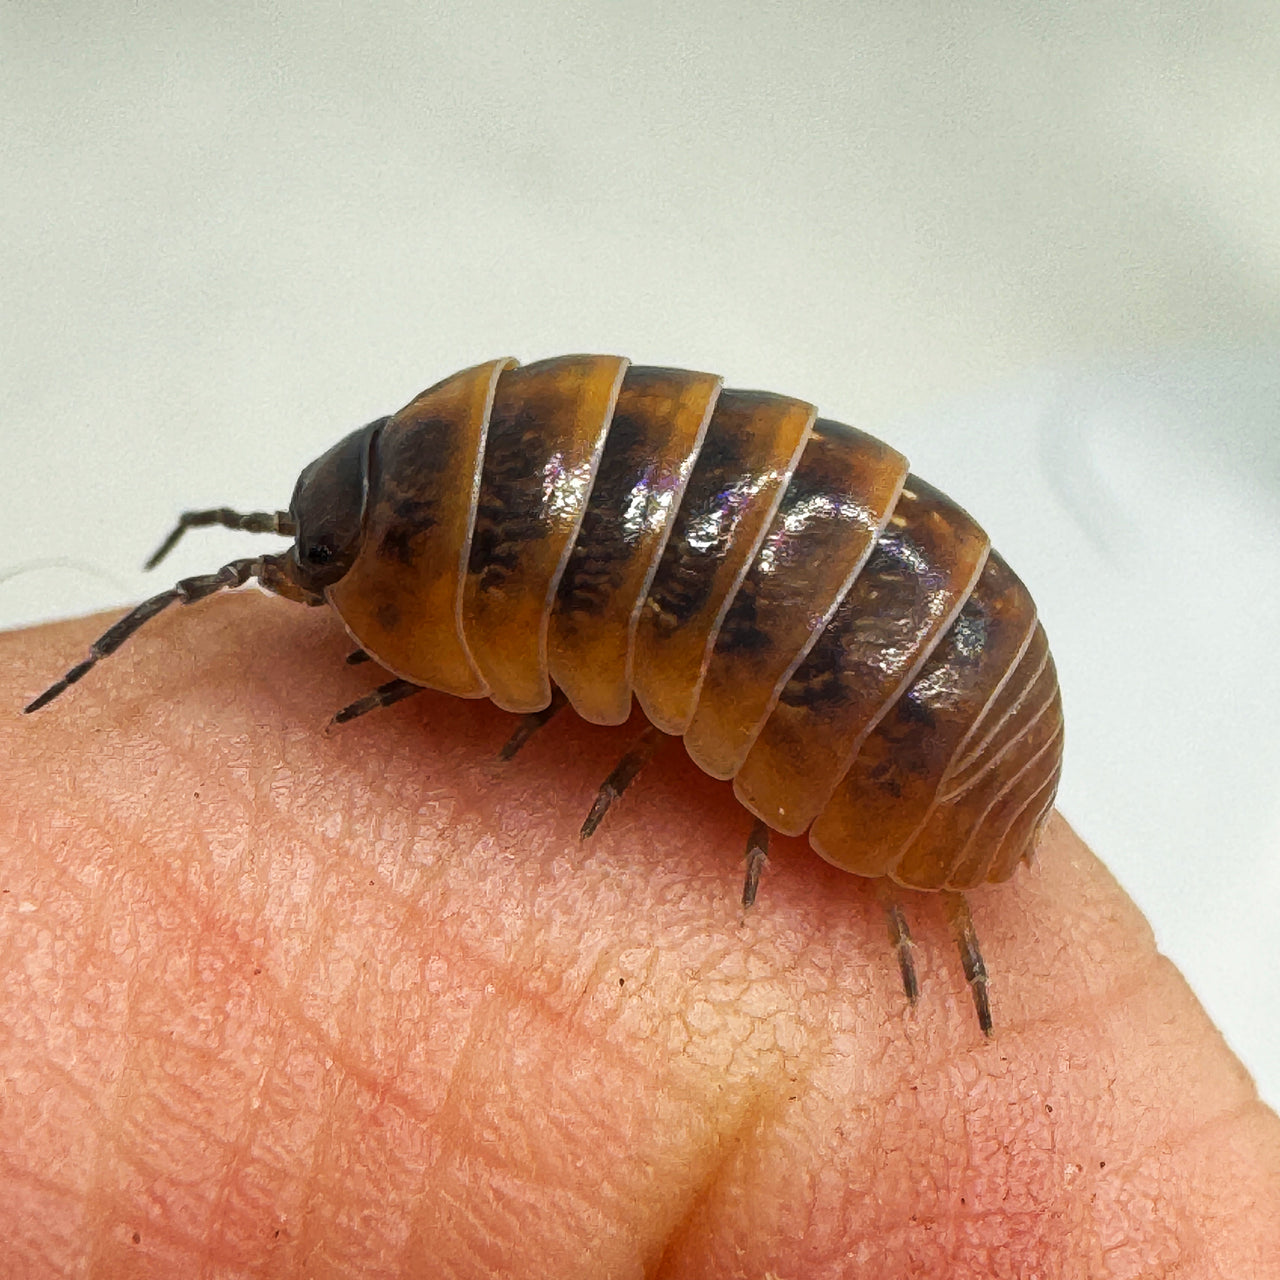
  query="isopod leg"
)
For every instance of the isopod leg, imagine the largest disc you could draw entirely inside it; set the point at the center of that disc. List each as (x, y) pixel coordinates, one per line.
(355, 658)
(899, 937)
(975, 970)
(530, 724)
(249, 521)
(385, 695)
(188, 591)
(624, 773)
(757, 856)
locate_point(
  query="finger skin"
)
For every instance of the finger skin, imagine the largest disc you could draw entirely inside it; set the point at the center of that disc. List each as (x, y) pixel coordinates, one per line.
(276, 1001)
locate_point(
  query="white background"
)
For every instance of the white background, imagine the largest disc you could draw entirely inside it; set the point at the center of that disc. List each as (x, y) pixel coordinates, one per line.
(1040, 251)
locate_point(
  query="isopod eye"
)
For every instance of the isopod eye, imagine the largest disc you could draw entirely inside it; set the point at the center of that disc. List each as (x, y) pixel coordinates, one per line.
(328, 509)
(318, 554)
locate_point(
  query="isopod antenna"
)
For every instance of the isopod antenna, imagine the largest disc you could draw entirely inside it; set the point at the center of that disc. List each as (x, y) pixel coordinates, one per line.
(280, 522)
(188, 591)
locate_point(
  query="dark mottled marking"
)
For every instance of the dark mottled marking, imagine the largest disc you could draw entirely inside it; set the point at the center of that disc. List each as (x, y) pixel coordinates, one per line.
(414, 516)
(511, 499)
(854, 636)
(884, 777)
(601, 551)
(703, 530)
(912, 721)
(920, 733)
(914, 710)
(740, 633)
(409, 487)
(968, 636)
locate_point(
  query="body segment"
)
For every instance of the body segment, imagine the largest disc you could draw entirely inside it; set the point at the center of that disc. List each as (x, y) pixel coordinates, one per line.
(402, 598)
(656, 435)
(545, 437)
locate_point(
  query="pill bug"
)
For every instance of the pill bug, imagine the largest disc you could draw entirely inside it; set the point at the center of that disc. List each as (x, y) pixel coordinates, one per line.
(818, 625)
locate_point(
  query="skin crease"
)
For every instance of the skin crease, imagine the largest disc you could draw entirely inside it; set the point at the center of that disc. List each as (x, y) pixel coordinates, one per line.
(276, 1001)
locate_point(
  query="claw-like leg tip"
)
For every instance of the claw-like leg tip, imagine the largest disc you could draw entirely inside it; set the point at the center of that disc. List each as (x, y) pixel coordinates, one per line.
(599, 807)
(910, 983)
(756, 858)
(44, 699)
(983, 1004)
(624, 773)
(757, 855)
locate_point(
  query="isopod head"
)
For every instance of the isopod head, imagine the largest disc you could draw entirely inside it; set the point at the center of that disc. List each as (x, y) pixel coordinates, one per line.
(327, 510)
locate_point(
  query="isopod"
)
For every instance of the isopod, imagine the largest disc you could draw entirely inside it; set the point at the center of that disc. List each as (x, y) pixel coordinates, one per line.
(818, 624)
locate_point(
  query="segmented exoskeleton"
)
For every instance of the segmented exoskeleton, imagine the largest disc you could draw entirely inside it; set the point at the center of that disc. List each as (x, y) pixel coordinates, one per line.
(817, 624)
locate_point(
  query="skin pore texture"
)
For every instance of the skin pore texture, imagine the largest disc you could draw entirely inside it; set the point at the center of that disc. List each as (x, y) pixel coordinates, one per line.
(282, 1001)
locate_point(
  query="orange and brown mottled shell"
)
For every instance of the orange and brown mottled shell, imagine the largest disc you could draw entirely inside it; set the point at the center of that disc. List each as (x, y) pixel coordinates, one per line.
(819, 625)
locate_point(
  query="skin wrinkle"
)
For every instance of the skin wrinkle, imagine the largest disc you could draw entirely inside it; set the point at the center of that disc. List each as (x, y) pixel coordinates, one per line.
(703, 1192)
(239, 1147)
(176, 892)
(179, 1108)
(1185, 1140)
(354, 1085)
(458, 1073)
(369, 1076)
(239, 1144)
(544, 993)
(1194, 1247)
(16, 1178)
(310, 1239)
(112, 1115)
(1126, 987)
(253, 1117)
(450, 1109)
